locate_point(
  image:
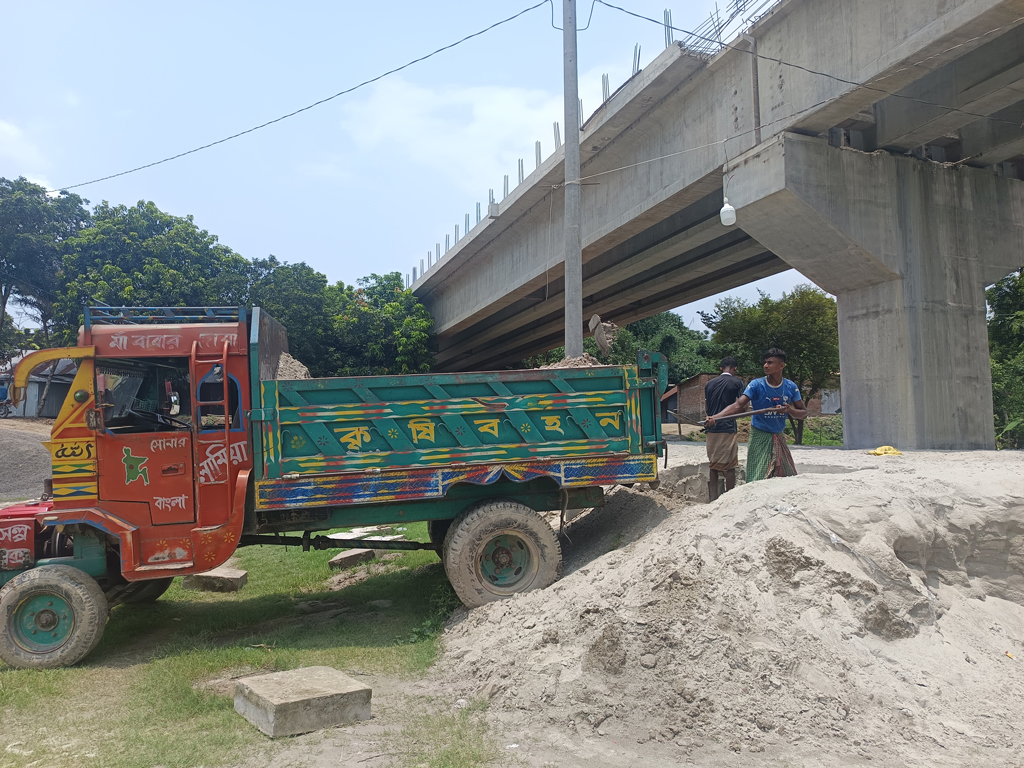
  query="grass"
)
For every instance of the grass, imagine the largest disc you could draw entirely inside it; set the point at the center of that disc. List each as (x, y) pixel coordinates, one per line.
(140, 700)
(436, 738)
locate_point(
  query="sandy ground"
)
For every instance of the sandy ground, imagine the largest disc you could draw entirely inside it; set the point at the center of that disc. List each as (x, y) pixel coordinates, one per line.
(24, 462)
(868, 612)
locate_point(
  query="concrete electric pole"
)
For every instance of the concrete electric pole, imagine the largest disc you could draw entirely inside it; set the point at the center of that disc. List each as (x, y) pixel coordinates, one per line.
(573, 190)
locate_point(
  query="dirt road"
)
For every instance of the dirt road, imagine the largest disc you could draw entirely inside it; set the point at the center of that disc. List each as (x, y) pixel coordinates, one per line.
(24, 462)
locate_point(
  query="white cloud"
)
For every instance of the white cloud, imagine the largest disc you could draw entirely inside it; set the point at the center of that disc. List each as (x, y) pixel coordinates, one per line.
(471, 136)
(19, 156)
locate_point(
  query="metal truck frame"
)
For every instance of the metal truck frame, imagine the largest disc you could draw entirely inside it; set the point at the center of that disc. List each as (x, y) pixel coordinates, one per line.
(177, 443)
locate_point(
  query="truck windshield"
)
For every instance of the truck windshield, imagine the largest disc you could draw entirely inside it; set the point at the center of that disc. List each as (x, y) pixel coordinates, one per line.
(119, 391)
(143, 395)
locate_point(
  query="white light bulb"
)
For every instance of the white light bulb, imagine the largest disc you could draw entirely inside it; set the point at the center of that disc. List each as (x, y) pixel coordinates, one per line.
(727, 214)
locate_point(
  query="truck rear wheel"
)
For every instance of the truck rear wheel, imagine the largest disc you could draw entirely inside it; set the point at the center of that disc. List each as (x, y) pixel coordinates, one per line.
(53, 616)
(498, 549)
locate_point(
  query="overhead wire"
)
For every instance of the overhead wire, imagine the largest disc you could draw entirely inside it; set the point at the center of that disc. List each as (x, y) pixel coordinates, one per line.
(776, 60)
(356, 87)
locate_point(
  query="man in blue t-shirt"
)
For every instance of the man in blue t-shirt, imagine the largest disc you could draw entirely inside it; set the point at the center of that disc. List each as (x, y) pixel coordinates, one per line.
(767, 452)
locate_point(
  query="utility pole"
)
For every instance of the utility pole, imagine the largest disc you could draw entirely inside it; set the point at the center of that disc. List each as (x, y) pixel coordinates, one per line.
(573, 191)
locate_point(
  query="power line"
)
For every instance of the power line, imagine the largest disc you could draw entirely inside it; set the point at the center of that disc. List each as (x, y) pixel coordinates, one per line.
(315, 103)
(747, 132)
(856, 83)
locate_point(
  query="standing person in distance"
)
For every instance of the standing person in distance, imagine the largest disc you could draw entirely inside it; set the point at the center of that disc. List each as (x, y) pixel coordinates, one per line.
(767, 453)
(723, 440)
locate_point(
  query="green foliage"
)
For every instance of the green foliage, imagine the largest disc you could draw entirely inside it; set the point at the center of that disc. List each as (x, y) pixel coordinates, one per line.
(139, 256)
(299, 297)
(821, 430)
(381, 327)
(1006, 342)
(33, 227)
(1006, 345)
(688, 352)
(803, 323)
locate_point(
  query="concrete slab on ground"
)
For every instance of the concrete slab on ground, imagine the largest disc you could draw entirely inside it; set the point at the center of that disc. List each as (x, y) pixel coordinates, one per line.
(350, 557)
(223, 579)
(301, 700)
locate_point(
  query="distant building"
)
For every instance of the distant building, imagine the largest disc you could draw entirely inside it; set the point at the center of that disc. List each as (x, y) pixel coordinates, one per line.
(60, 385)
(685, 399)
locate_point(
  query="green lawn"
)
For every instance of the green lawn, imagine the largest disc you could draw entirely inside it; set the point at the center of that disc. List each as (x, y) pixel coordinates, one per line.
(140, 699)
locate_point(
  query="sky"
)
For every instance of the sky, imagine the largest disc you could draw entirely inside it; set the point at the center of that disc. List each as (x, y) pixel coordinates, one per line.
(364, 183)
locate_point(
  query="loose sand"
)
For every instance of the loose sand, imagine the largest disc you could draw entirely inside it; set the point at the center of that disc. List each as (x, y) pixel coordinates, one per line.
(290, 368)
(864, 612)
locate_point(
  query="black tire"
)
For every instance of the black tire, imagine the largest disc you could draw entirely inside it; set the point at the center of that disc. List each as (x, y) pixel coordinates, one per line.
(497, 549)
(437, 530)
(146, 591)
(53, 616)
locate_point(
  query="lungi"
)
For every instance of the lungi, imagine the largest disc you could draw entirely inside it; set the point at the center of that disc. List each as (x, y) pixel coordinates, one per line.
(768, 456)
(723, 450)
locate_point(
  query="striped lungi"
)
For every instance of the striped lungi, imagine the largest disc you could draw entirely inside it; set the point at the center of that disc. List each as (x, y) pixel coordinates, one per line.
(723, 450)
(768, 456)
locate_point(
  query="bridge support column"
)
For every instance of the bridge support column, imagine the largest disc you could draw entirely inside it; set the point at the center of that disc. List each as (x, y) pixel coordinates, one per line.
(907, 246)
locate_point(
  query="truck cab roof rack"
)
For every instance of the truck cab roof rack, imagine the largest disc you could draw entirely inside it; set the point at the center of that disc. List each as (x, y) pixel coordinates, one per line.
(161, 315)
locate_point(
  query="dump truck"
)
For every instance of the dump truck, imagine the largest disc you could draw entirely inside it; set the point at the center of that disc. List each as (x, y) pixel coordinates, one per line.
(179, 441)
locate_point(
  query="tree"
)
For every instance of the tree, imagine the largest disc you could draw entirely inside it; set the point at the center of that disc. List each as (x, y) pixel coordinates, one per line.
(688, 352)
(142, 257)
(299, 298)
(34, 225)
(1006, 347)
(803, 323)
(382, 327)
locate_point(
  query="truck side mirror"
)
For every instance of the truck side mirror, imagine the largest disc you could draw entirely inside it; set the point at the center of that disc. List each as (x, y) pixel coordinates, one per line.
(175, 404)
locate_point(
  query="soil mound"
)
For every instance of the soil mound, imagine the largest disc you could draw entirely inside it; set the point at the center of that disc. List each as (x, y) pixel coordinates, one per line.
(872, 615)
(586, 360)
(290, 368)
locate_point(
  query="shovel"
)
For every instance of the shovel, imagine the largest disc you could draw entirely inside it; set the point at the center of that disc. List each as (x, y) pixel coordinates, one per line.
(741, 415)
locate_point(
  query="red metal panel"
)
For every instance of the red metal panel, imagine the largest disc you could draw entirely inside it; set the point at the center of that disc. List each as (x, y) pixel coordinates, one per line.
(150, 467)
(167, 340)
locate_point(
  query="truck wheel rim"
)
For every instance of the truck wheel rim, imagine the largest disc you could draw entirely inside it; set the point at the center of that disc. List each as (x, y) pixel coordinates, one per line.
(508, 563)
(42, 622)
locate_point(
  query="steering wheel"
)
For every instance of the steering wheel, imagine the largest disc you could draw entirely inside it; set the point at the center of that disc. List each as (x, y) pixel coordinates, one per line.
(160, 419)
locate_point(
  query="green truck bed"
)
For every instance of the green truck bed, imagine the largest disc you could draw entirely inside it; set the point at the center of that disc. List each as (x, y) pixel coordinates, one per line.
(324, 442)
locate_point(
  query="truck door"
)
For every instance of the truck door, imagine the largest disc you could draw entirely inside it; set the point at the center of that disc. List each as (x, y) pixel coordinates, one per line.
(145, 453)
(219, 400)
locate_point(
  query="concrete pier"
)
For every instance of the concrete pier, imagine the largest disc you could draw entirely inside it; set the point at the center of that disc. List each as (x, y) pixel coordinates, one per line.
(907, 246)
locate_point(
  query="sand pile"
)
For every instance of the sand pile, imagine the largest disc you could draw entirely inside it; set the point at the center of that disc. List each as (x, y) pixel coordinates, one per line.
(870, 615)
(290, 368)
(586, 360)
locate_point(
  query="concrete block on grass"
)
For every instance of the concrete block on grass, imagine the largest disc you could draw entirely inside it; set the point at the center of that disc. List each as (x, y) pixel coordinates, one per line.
(301, 700)
(350, 557)
(221, 579)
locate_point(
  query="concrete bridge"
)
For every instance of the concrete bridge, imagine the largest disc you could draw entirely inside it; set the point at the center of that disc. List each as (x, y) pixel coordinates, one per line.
(889, 174)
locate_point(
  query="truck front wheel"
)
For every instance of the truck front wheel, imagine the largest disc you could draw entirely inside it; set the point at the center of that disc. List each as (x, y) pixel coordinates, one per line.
(498, 549)
(53, 616)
